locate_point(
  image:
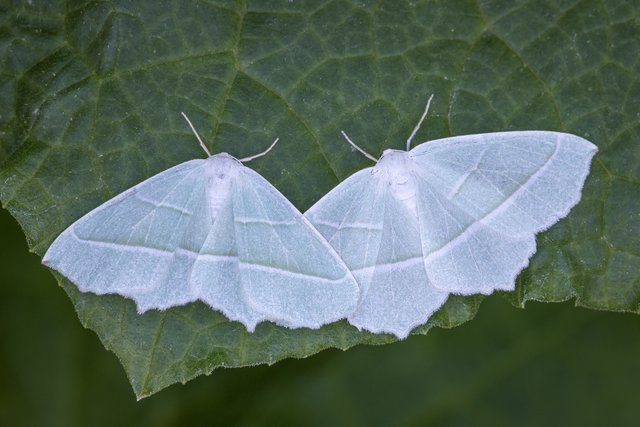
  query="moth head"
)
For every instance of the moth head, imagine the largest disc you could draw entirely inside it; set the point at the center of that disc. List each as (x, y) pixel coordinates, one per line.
(222, 167)
(392, 161)
(394, 168)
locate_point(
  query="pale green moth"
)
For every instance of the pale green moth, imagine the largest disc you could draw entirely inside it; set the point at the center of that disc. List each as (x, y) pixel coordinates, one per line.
(455, 215)
(210, 230)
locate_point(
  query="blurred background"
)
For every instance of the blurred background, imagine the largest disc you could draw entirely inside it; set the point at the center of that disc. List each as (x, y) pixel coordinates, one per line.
(551, 364)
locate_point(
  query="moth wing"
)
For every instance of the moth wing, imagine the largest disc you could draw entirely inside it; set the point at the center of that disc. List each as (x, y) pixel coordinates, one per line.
(379, 240)
(142, 243)
(288, 271)
(483, 198)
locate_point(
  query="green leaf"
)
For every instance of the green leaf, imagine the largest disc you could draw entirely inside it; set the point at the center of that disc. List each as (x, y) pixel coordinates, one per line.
(91, 94)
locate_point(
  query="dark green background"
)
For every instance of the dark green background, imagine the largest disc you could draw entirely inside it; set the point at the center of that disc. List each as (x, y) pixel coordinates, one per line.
(551, 364)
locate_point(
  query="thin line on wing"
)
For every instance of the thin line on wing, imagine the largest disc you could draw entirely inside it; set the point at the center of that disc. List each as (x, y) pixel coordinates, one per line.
(544, 202)
(464, 178)
(248, 220)
(153, 212)
(186, 238)
(220, 258)
(479, 208)
(163, 205)
(283, 271)
(459, 225)
(343, 226)
(352, 205)
(154, 251)
(98, 271)
(497, 210)
(113, 204)
(288, 256)
(388, 266)
(124, 247)
(370, 235)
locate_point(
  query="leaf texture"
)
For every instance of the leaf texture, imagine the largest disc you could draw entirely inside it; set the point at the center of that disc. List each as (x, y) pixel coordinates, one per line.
(92, 92)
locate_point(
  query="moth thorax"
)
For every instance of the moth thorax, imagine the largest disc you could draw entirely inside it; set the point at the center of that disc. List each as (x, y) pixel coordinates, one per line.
(396, 171)
(221, 170)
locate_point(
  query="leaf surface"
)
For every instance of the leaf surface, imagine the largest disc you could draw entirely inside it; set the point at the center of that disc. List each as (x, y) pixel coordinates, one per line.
(91, 94)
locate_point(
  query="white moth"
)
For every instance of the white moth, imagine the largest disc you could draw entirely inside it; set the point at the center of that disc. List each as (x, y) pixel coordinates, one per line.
(455, 215)
(210, 230)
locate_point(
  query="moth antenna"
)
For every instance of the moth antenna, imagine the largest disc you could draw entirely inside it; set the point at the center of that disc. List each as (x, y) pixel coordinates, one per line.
(255, 156)
(415, 129)
(204, 147)
(353, 144)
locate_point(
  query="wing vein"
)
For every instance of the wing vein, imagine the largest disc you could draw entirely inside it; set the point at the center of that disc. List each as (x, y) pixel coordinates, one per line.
(497, 209)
